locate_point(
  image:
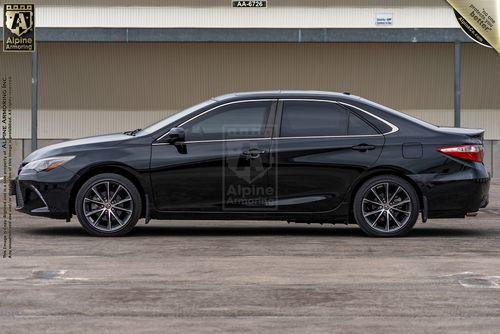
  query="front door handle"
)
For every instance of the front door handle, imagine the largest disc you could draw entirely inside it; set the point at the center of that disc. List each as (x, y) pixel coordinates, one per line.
(363, 147)
(253, 153)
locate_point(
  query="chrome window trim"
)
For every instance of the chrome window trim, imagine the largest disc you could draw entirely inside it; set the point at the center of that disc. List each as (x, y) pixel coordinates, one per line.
(392, 126)
(215, 141)
(320, 137)
(207, 111)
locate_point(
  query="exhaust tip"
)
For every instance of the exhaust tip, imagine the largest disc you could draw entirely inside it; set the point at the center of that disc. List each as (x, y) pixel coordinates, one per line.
(471, 214)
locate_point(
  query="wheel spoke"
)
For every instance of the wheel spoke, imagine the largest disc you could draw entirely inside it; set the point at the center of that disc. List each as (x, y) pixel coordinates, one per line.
(116, 192)
(386, 185)
(93, 201)
(109, 220)
(94, 212)
(99, 218)
(401, 203)
(376, 195)
(394, 195)
(372, 212)
(387, 221)
(407, 212)
(378, 217)
(121, 209)
(107, 191)
(373, 202)
(97, 193)
(117, 219)
(394, 218)
(123, 201)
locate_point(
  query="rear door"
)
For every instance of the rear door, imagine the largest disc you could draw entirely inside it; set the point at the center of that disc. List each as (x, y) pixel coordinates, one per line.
(320, 147)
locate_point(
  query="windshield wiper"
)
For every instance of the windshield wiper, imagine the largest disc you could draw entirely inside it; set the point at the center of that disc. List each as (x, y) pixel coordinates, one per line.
(132, 132)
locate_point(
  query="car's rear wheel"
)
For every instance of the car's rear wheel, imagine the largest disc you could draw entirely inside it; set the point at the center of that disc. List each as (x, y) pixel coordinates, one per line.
(386, 206)
(108, 205)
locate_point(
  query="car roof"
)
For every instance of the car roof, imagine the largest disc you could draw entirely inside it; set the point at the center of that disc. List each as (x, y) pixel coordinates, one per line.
(285, 94)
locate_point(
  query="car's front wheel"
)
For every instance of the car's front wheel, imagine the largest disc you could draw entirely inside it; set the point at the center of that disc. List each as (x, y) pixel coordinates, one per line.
(108, 205)
(386, 206)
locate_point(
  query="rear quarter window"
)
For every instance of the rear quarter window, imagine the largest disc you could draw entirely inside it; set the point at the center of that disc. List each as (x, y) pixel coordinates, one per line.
(375, 122)
(359, 127)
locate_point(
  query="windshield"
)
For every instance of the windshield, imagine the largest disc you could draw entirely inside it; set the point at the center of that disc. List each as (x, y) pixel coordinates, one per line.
(173, 118)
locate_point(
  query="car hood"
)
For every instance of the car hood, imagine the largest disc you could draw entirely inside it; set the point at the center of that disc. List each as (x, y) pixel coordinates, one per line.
(72, 146)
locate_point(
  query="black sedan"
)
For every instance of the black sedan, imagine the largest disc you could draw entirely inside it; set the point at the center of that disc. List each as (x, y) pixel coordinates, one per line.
(300, 156)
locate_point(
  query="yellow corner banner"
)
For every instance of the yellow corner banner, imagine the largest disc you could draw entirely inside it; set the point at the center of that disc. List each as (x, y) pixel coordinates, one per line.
(482, 17)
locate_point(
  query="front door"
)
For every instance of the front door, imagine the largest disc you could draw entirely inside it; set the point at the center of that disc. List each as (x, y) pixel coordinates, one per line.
(223, 163)
(321, 148)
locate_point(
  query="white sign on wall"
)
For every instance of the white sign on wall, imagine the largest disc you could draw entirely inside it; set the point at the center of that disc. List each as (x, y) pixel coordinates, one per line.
(383, 19)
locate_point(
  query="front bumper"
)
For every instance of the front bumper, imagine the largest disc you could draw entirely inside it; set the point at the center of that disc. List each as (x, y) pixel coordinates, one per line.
(45, 195)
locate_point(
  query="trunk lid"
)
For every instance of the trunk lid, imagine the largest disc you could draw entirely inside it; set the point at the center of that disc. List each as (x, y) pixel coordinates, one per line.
(472, 133)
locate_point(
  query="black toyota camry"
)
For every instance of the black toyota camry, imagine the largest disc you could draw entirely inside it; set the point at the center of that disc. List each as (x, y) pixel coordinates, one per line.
(299, 156)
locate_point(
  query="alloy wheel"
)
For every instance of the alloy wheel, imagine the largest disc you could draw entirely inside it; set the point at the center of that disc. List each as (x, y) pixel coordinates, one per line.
(108, 206)
(386, 207)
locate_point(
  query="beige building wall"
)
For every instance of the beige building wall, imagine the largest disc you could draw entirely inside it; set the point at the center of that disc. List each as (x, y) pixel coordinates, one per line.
(220, 14)
(17, 67)
(90, 88)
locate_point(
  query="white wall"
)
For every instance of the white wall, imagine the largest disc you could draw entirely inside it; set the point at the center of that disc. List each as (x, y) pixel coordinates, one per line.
(218, 13)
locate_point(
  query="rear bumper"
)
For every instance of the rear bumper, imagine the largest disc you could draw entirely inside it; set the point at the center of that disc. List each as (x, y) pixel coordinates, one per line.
(49, 197)
(455, 195)
(464, 197)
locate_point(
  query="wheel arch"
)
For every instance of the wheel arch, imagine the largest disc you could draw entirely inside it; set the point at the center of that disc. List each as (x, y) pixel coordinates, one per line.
(108, 168)
(382, 171)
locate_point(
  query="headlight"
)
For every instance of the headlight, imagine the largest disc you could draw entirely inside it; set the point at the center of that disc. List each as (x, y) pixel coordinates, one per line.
(48, 164)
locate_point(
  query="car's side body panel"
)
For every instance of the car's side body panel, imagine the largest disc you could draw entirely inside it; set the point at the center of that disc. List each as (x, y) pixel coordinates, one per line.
(191, 177)
(314, 174)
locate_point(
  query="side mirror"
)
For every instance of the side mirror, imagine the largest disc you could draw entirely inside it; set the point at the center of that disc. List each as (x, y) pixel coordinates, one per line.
(175, 135)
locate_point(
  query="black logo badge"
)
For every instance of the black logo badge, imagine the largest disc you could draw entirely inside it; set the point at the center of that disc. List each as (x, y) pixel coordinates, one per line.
(470, 31)
(19, 28)
(251, 3)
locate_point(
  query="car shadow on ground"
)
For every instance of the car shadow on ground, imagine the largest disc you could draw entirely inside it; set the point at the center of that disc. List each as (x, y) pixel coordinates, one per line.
(252, 231)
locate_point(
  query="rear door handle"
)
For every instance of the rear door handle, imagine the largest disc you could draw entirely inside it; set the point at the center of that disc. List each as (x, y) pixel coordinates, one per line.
(363, 147)
(253, 153)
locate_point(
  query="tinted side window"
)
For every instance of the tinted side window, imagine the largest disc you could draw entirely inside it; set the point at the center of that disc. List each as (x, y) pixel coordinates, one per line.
(358, 127)
(308, 118)
(234, 121)
(379, 125)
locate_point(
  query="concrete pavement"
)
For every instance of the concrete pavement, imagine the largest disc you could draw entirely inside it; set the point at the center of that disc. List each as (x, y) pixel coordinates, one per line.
(253, 277)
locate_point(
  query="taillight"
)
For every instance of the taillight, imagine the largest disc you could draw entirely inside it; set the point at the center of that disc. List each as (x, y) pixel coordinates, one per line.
(464, 152)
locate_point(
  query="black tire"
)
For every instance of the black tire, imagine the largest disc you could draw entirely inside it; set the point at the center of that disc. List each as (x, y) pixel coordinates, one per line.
(405, 201)
(109, 215)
